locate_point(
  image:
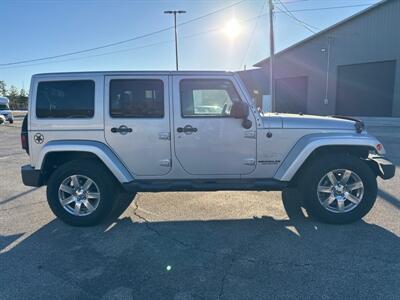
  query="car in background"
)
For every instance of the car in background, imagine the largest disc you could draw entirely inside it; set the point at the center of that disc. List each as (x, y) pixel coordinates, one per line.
(5, 110)
(2, 119)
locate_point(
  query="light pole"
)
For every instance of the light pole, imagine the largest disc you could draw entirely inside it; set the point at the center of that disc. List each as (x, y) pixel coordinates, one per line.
(271, 56)
(175, 12)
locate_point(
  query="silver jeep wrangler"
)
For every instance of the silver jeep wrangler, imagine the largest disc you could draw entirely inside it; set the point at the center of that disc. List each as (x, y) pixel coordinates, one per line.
(93, 136)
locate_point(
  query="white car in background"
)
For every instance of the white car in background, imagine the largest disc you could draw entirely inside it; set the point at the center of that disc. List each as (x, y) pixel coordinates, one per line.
(5, 110)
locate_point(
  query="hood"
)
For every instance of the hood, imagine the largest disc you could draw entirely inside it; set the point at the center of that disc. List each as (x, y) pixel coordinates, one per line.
(297, 121)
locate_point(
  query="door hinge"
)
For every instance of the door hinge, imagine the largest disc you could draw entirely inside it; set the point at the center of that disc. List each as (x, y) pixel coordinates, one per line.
(250, 162)
(165, 163)
(164, 136)
(250, 134)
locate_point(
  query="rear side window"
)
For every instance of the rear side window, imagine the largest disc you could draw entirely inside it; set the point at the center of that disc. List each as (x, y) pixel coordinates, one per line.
(65, 99)
(137, 98)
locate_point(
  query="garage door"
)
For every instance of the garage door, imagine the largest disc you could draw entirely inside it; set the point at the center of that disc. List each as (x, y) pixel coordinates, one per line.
(291, 95)
(366, 89)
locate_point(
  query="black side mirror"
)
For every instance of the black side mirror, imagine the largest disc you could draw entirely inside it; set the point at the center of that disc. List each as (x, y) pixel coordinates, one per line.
(240, 110)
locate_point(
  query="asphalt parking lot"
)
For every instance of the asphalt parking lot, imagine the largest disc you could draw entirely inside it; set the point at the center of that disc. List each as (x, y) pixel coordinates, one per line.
(228, 245)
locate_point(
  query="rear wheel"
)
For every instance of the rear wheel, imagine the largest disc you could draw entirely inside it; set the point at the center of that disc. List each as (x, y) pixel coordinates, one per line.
(81, 192)
(338, 188)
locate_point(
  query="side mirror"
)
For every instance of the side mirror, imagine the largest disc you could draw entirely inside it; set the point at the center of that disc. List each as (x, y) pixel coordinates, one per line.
(240, 110)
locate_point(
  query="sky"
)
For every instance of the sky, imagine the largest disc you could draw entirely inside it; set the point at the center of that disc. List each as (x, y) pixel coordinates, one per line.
(34, 29)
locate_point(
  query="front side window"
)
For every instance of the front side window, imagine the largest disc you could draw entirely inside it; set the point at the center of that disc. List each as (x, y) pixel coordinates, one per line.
(65, 99)
(207, 98)
(137, 98)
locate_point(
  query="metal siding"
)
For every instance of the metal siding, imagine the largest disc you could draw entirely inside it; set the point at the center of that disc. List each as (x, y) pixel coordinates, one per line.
(370, 37)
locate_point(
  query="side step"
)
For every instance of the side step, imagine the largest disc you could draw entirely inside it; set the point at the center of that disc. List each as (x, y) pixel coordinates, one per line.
(205, 185)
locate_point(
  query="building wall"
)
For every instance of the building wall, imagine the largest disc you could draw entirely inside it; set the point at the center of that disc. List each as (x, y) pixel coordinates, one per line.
(371, 37)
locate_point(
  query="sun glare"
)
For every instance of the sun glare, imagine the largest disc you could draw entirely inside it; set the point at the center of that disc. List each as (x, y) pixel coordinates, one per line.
(232, 29)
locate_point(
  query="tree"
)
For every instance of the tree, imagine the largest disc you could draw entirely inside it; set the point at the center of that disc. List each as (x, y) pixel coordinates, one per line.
(13, 96)
(13, 92)
(23, 93)
(3, 88)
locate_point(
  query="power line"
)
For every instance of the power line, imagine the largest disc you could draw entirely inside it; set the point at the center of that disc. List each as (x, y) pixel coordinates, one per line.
(215, 29)
(252, 34)
(123, 41)
(157, 43)
(330, 7)
(290, 14)
(113, 52)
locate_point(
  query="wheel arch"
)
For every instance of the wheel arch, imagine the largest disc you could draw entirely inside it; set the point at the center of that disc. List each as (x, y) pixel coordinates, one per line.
(311, 146)
(56, 153)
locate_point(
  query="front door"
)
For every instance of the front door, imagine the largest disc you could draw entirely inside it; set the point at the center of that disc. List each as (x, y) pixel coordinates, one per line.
(137, 124)
(207, 140)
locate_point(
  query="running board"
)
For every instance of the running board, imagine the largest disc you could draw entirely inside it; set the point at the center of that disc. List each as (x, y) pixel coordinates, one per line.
(205, 185)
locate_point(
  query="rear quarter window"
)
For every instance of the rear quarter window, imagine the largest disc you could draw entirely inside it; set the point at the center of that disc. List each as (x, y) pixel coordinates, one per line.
(65, 99)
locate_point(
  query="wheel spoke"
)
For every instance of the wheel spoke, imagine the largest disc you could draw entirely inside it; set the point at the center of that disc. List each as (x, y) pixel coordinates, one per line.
(340, 204)
(67, 189)
(88, 205)
(68, 200)
(352, 198)
(87, 184)
(75, 181)
(329, 201)
(345, 177)
(77, 208)
(332, 178)
(354, 186)
(92, 195)
(324, 189)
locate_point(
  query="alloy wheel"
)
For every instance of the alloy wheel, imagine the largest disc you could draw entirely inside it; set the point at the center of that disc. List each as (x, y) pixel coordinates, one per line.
(79, 195)
(340, 190)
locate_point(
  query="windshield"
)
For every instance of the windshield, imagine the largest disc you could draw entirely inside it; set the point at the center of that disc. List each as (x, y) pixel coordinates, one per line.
(4, 106)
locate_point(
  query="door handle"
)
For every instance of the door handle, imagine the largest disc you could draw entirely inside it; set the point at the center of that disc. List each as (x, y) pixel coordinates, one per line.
(188, 129)
(123, 129)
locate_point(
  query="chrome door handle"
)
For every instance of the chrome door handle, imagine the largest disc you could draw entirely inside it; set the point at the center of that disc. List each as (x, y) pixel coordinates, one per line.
(123, 129)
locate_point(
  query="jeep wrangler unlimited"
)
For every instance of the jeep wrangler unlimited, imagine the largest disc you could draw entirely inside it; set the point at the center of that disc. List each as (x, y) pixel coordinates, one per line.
(91, 136)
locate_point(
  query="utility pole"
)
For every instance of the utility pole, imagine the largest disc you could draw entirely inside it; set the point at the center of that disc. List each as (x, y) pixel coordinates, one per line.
(175, 12)
(271, 55)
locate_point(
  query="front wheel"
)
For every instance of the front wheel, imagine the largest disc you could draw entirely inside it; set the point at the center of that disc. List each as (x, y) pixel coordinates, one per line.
(81, 192)
(338, 188)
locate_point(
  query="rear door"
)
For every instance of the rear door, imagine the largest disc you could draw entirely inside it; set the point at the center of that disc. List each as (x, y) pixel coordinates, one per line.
(207, 140)
(137, 124)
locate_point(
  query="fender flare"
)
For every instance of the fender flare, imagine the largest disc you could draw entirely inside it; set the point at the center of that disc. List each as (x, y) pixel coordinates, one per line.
(101, 150)
(309, 143)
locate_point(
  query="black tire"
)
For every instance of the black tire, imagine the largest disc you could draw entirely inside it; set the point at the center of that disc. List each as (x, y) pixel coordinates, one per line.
(105, 181)
(318, 168)
(121, 203)
(11, 121)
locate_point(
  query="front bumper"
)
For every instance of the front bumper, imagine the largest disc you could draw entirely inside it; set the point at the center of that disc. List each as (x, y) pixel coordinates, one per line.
(382, 166)
(31, 176)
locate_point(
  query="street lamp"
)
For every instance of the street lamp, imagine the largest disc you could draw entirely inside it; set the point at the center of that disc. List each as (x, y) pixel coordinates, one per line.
(175, 12)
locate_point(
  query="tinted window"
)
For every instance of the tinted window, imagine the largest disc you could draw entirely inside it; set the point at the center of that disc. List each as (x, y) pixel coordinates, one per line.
(4, 106)
(65, 99)
(207, 97)
(137, 98)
